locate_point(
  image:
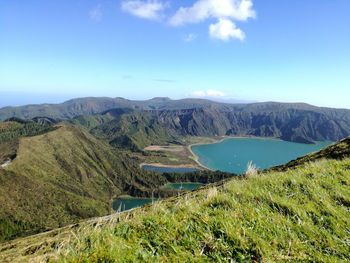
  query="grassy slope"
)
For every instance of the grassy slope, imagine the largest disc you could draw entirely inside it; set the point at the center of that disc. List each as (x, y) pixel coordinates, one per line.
(298, 215)
(301, 214)
(61, 177)
(66, 175)
(56, 179)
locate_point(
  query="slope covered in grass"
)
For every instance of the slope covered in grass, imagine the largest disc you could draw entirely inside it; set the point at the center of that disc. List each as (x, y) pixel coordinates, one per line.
(66, 175)
(300, 215)
(61, 177)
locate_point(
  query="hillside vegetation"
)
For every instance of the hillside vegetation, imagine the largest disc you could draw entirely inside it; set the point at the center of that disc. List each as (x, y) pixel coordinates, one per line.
(298, 215)
(65, 175)
(16, 128)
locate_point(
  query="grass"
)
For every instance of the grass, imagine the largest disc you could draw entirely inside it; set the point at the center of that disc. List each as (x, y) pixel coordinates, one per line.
(301, 215)
(251, 169)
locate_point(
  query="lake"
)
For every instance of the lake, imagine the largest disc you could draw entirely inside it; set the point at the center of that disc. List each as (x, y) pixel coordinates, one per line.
(123, 204)
(232, 155)
(126, 203)
(187, 186)
(169, 169)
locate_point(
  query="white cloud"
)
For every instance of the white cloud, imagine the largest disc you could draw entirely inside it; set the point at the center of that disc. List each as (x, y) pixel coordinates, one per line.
(190, 37)
(209, 93)
(204, 9)
(96, 13)
(150, 9)
(225, 29)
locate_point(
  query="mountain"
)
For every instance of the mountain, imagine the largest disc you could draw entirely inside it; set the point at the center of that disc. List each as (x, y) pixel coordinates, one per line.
(136, 129)
(298, 215)
(63, 176)
(296, 122)
(89, 106)
(290, 122)
(55, 174)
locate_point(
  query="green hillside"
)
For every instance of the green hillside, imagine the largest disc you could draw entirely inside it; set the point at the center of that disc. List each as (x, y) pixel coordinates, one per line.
(65, 175)
(298, 215)
(60, 177)
(16, 128)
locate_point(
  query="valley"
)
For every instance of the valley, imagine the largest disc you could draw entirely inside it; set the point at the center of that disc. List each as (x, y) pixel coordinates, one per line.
(174, 131)
(62, 171)
(240, 217)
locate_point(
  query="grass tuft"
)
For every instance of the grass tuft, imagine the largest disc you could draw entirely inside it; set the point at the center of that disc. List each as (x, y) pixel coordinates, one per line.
(251, 170)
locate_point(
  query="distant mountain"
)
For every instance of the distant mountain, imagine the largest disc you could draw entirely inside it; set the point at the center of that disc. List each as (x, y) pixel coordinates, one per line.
(296, 122)
(88, 106)
(135, 129)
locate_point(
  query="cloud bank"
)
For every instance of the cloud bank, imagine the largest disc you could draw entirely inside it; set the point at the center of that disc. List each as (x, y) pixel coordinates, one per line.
(223, 11)
(204, 9)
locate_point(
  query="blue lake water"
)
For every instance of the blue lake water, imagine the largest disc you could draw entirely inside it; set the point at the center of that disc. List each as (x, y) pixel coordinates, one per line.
(126, 203)
(232, 155)
(169, 169)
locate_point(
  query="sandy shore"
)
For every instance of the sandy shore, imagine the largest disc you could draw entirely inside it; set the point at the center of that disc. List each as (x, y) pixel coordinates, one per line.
(164, 148)
(169, 165)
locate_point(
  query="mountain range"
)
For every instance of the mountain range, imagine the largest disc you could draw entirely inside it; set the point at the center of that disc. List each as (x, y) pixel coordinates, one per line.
(296, 122)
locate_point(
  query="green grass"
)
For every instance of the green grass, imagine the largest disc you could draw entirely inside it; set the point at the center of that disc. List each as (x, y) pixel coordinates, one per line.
(301, 215)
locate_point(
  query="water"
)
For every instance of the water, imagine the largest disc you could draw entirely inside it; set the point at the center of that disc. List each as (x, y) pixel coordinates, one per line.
(232, 155)
(169, 169)
(123, 204)
(187, 186)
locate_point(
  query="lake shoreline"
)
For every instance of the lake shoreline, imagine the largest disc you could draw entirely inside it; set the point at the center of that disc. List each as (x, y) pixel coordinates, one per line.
(241, 147)
(195, 157)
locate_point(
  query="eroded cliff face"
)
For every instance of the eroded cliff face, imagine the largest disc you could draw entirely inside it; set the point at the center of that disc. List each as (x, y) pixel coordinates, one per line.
(296, 125)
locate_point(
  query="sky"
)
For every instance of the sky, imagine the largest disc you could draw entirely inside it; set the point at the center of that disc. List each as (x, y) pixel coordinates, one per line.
(255, 50)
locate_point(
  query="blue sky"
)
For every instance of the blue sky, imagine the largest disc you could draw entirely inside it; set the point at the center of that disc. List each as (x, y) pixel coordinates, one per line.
(263, 50)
